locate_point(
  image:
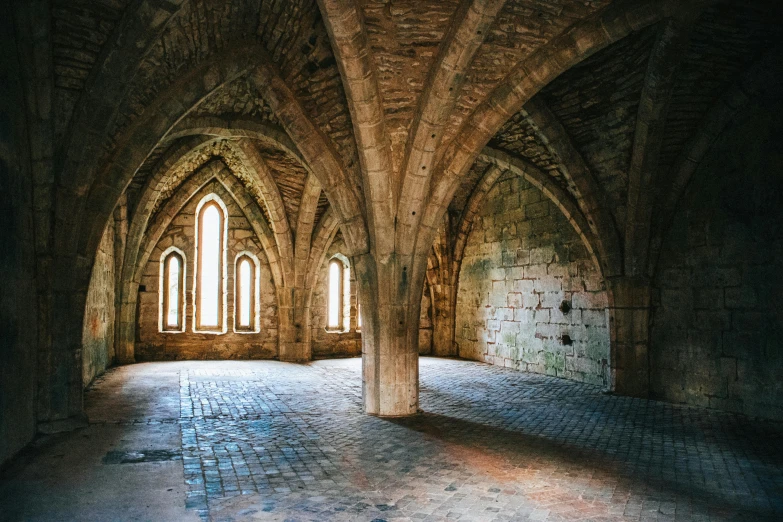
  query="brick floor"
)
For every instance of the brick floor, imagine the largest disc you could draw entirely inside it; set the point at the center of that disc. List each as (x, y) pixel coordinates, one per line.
(274, 441)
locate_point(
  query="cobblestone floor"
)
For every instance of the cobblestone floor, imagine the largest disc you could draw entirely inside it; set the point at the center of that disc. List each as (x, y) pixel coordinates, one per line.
(273, 441)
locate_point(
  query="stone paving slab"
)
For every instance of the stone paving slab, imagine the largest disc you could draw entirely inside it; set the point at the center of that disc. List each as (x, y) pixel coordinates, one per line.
(270, 441)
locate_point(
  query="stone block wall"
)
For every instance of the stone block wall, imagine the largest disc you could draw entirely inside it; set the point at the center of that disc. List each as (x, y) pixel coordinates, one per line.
(717, 328)
(523, 262)
(99, 311)
(153, 345)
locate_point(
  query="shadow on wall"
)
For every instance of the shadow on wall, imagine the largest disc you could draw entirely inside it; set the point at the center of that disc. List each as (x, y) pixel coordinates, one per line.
(99, 316)
(529, 296)
(717, 335)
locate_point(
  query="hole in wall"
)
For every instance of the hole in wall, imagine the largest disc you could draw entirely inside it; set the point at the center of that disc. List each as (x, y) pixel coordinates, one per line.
(566, 339)
(565, 307)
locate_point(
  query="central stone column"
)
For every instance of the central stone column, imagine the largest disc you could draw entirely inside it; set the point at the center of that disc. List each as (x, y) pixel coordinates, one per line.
(390, 296)
(629, 319)
(294, 326)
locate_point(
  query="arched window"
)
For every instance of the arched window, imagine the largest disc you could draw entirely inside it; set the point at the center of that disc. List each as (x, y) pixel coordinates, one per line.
(245, 293)
(338, 295)
(210, 256)
(172, 291)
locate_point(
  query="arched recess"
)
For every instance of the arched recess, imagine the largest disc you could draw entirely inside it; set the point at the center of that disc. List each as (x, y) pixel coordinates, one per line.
(276, 138)
(207, 341)
(203, 137)
(101, 180)
(213, 170)
(530, 294)
(272, 136)
(715, 323)
(90, 187)
(175, 160)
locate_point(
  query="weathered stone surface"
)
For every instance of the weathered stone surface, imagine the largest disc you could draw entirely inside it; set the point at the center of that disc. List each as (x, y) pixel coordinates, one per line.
(521, 28)
(529, 297)
(716, 330)
(724, 40)
(597, 103)
(99, 313)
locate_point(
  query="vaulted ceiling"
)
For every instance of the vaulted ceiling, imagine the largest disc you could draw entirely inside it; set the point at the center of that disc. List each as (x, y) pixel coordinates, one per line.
(638, 101)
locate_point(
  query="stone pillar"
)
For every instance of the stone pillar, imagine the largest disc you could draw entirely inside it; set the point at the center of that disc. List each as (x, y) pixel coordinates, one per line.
(125, 344)
(294, 325)
(629, 323)
(390, 293)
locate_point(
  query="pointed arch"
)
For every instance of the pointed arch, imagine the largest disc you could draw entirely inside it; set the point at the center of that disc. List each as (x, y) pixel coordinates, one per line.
(323, 236)
(557, 195)
(579, 42)
(305, 225)
(762, 75)
(213, 170)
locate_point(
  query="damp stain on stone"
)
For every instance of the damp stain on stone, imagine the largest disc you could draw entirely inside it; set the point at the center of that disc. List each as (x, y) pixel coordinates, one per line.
(139, 456)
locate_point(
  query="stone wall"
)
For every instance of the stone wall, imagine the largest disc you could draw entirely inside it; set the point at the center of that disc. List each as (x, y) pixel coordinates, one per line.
(523, 261)
(155, 345)
(325, 343)
(717, 324)
(99, 312)
(19, 316)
